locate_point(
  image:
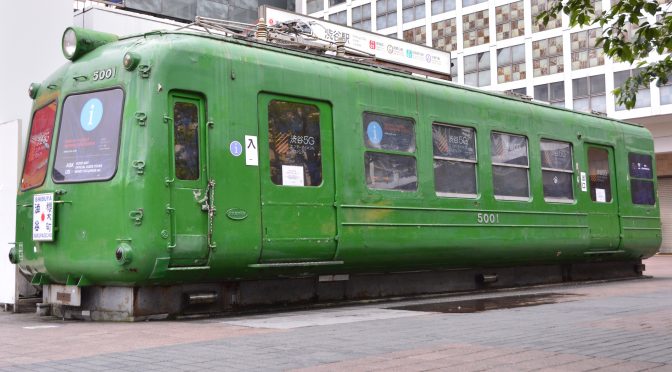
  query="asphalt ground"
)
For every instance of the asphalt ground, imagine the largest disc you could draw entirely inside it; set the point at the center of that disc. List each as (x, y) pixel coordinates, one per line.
(599, 326)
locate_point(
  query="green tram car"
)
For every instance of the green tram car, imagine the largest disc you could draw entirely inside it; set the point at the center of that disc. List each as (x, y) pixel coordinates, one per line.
(182, 171)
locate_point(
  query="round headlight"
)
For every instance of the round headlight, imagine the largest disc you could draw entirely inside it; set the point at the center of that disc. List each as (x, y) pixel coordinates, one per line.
(131, 60)
(32, 90)
(69, 43)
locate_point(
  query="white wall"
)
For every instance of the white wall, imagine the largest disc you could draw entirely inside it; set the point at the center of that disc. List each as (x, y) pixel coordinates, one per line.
(30, 45)
(10, 140)
(120, 22)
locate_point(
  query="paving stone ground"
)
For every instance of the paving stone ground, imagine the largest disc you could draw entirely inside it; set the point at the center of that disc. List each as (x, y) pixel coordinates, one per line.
(607, 326)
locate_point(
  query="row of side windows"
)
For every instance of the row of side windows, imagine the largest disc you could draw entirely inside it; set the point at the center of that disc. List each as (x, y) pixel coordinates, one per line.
(390, 159)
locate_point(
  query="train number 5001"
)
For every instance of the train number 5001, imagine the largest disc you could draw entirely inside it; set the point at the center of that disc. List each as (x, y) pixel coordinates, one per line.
(487, 217)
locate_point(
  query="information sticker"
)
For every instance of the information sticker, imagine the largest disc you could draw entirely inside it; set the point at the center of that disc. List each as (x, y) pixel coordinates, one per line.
(292, 175)
(600, 195)
(584, 183)
(43, 217)
(251, 151)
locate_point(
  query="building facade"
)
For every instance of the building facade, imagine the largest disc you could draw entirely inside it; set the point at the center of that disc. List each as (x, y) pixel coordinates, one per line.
(498, 45)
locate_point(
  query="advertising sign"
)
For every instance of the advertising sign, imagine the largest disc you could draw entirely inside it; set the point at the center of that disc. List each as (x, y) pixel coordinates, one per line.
(382, 47)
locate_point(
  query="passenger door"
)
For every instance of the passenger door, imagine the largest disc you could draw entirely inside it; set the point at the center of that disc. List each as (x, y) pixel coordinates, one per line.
(297, 180)
(187, 182)
(603, 211)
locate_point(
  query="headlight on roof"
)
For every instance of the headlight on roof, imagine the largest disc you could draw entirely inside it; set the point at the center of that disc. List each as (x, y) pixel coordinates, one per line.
(78, 41)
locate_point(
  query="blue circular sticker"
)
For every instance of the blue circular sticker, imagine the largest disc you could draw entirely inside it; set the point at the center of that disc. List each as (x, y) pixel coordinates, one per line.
(92, 114)
(236, 148)
(375, 132)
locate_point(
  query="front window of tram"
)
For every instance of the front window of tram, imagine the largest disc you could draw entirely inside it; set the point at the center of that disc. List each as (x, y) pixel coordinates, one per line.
(88, 139)
(39, 147)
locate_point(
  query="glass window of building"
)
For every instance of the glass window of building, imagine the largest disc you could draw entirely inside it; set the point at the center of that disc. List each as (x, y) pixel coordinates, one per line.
(519, 91)
(666, 92)
(453, 68)
(477, 69)
(510, 166)
(313, 6)
(511, 63)
(361, 17)
(416, 35)
(444, 35)
(340, 18)
(476, 28)
(547, 56)
(553, 93)
(442, 6)
(585, 52)
(412, 10)
(539, 6)
(454, 160)
(386, 14)
(335, 2)
(510, 20)
(589, 94)
(466, 3)
(643, 94)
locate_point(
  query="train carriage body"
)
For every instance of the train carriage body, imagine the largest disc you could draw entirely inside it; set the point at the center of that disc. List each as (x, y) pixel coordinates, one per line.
(174, 158)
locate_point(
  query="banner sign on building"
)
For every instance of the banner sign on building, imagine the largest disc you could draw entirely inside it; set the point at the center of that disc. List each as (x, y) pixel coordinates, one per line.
(381, 47)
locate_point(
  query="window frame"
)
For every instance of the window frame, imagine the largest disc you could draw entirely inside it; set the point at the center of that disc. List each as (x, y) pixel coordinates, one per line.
(319, 131)
(121, 125)
(51, 145)
(469, 161)
(634, 178)
(557, 170)
(399, 153)
(519, 166)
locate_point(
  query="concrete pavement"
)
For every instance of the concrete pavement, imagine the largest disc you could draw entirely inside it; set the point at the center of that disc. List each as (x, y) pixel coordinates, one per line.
(607, 326)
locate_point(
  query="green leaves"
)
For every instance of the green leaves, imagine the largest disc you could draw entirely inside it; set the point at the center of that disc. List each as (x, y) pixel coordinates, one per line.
(628, 36)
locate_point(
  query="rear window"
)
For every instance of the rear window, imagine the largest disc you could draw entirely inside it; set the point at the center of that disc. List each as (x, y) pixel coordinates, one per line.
(39, 147)
(88, 138)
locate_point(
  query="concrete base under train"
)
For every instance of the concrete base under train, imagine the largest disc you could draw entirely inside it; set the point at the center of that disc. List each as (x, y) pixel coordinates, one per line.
(110, 303)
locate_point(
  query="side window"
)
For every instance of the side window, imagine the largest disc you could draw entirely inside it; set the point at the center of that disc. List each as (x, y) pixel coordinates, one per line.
(600, 179)
(295, 151)
(454, 160)
(391, 164)
(39, 146)
(186, 140)
(641, 179)
(556, 169)
(510, 166)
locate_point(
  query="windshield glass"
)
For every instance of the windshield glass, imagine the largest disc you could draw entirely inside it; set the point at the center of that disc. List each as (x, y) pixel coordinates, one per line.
(39, 146)
(88, 138)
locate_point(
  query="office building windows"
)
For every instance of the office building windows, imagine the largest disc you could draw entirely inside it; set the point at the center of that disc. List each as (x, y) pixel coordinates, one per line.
(643, 94)
(386, 14)
(510, 20)
(416, 35)
(511, 63)
(539, 6)
(444, 35)
(589, 94)
(477, 69)
(476, 28)
(313, 6)
(412, 10)
(442, 6)
(547, 56)
(340, 18)
(361, 17)
(585, 52)
(553, 93)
